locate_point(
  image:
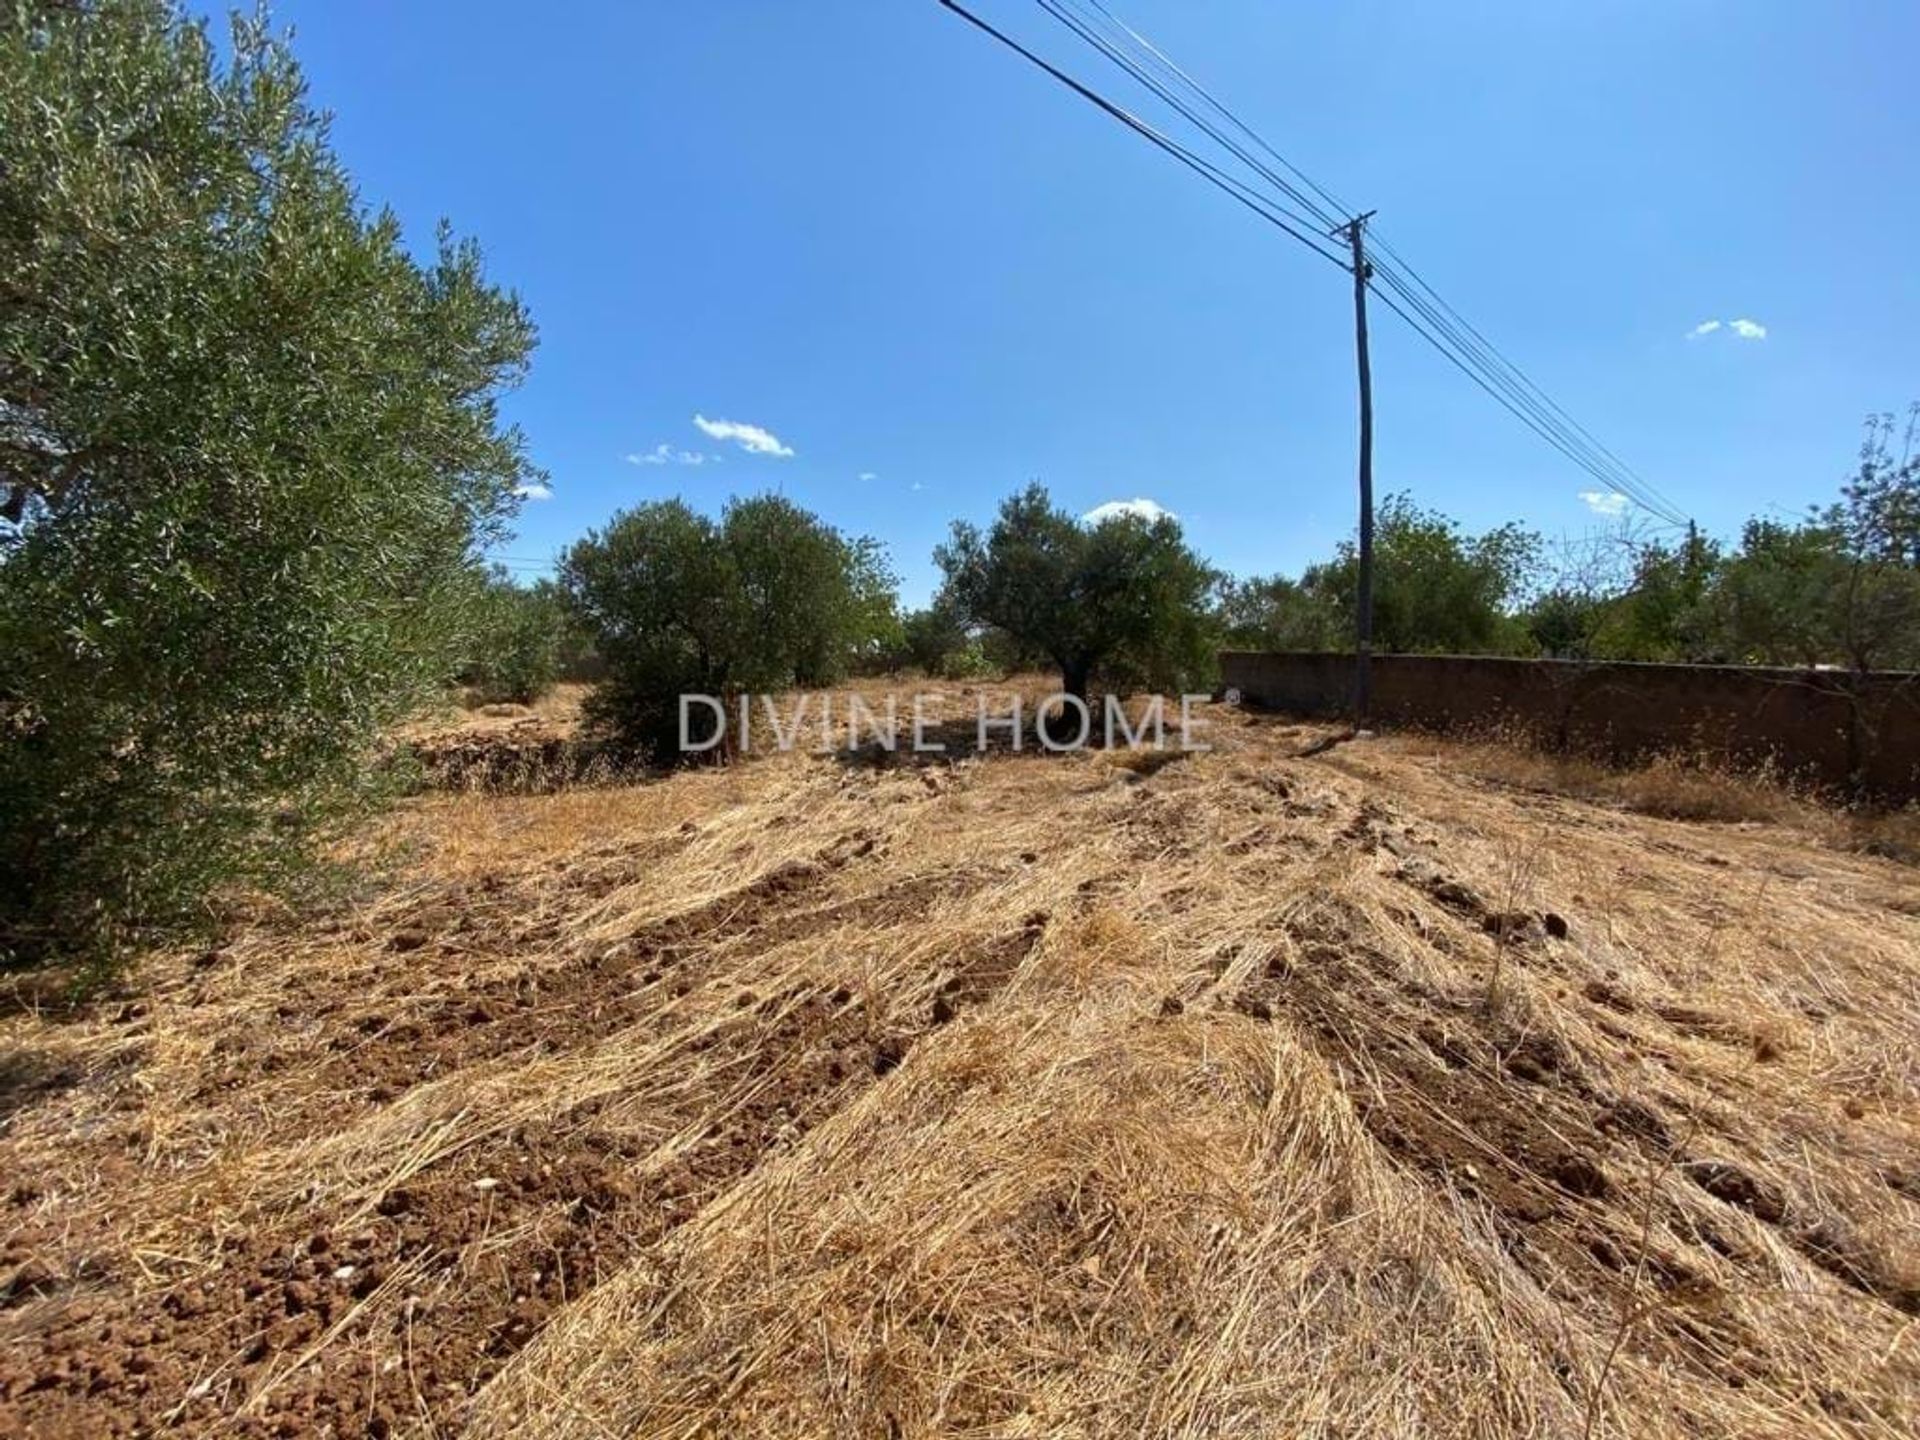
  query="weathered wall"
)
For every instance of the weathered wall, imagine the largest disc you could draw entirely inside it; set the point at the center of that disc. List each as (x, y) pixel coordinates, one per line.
(1829, 725)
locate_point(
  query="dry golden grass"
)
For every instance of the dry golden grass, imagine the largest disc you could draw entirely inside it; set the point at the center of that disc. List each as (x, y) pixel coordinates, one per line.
(1676, 788)
(467, 714)
(1019, 1096)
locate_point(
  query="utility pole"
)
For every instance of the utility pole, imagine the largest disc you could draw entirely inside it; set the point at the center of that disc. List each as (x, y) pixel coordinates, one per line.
(1355, 231)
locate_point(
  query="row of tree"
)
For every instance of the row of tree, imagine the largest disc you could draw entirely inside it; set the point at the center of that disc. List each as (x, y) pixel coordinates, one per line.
(1839, 586)
(770, 596)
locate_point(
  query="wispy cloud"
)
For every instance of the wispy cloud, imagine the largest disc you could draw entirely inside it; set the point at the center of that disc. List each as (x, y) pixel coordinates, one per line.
(534, 492)
(665, 454)
(1744, 329)
(868, 475)
(1610, 503)
(753, 439)
(1148, 510)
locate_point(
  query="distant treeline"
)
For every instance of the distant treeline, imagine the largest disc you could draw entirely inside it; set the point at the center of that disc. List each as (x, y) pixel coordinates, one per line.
(1839, 586)
(771, 596)
(664, 601)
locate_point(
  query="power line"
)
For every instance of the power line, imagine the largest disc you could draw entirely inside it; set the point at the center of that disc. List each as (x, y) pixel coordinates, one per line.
(1622, 476)
(1508, 376)
(1472, 350)
(1522, 398)
(1567, 434)
(1530, 420)
(1316, 217)
(1340, 209)
(1445, 328)
(1212, 173)
(1629, 481)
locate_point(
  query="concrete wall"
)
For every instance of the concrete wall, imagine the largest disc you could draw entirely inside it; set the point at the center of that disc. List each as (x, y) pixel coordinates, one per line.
(1827, 725)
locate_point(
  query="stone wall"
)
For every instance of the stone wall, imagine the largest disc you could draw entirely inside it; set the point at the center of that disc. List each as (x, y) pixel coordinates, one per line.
(1827, 725)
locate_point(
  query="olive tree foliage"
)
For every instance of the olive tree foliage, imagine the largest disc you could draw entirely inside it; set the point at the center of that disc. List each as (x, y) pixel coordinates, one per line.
(928, 639)
(1276, 612)
(1838, 587)
(519, 639)
(1123, 601)
(936, 642)
(765, 598)
(1629, 595)
(1436, 590)
(248, 446)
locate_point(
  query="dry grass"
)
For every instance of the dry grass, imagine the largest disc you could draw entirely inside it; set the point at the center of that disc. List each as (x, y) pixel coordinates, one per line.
(467, 714)
(1666, 786)
(1014, 1096)
(1680, 788)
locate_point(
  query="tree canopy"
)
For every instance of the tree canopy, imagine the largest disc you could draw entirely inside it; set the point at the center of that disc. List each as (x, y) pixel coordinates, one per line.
(767, 597)
(1437, 590)
(1840, 586)
(248, 446)
(518, 640)
(1122, 600)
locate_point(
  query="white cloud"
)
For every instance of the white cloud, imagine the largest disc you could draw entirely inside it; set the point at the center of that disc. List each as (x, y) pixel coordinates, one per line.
(1745, 329)
(1610, 503)
(1146, 509)
(868, 475)
(534, 492)
(750, 438)
(916, 486)
(664, 454)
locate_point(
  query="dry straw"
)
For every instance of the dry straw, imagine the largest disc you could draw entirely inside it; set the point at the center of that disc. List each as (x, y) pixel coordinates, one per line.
(1234, 1095)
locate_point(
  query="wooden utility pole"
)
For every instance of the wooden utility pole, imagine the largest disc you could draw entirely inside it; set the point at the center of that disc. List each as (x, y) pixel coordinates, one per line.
(1355, 231)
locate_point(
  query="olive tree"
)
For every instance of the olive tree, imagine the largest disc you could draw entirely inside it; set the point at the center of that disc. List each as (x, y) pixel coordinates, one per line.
(1841, 586)
(248, 448)
(1436, 589)
(767, 597)
(1122, 600)
(1810, 594)
(518, 641)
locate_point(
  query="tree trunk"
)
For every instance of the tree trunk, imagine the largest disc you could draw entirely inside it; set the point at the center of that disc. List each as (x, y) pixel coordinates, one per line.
(1075, 679)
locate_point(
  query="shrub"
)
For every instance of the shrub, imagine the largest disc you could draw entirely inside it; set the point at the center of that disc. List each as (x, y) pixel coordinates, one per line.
(1436, 590)
(930, 637)
(767, 597)
(1123, 600)
(247, 445)
(519, 643)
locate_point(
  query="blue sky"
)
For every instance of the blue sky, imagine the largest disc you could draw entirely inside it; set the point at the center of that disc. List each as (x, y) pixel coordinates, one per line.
(864, 229)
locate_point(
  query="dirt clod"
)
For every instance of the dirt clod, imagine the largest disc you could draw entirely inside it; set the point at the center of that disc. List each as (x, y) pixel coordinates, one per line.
(1728, 1182)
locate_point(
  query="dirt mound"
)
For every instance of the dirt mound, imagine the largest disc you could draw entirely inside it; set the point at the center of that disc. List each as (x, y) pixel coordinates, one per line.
(530, 756)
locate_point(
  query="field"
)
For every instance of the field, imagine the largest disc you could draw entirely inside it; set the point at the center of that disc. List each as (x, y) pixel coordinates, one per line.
(1367, 1094)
